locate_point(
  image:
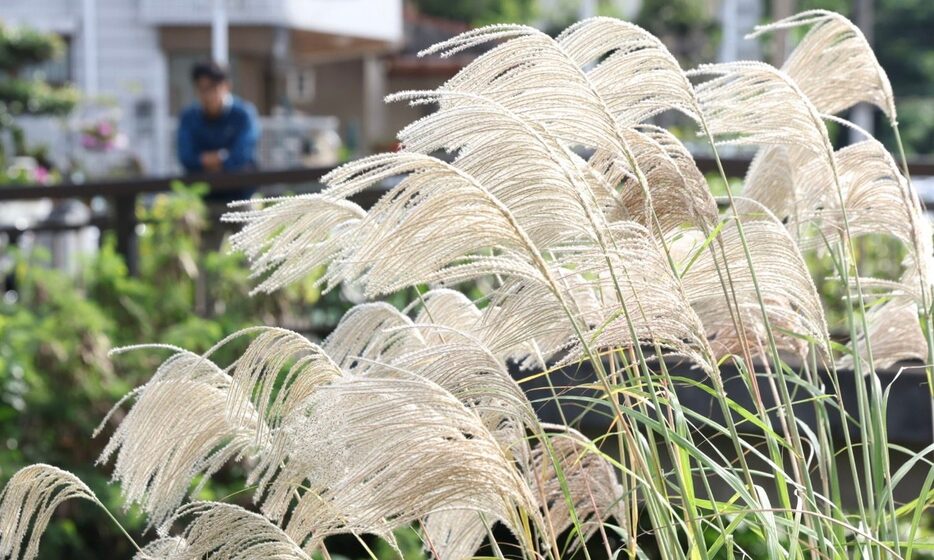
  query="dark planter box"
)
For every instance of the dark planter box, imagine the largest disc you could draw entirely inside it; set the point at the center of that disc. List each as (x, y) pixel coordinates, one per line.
(908, 411)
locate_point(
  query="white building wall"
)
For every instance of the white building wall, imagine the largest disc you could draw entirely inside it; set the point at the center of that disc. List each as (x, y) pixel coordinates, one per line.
(369, 19)
(131, 68)
(373, 19)
(737, 19)
(51, 15)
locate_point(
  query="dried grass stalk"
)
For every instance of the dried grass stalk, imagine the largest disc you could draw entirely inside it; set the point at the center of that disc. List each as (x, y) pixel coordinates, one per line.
(27, 503)
(834, 64)
(219, 530)
(176, 431)
(589, 487)
(389, 439)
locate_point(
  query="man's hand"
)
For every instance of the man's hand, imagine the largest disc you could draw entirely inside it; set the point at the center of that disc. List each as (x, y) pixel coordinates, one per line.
(212, 161)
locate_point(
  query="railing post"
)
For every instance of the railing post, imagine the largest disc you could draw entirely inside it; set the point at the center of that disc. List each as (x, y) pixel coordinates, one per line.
(125, 228)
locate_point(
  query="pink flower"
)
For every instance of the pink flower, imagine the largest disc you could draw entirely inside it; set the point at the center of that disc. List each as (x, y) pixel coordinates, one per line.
(89, 142)
(41, 175)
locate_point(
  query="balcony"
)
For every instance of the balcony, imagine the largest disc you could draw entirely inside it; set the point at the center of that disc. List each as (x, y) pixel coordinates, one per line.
(373, 20)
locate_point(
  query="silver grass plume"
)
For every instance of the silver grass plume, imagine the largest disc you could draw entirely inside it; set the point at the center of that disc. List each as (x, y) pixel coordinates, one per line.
(520, 76)
(754, 103)
(876, 196)
(165, 548)
(468, 370)
(392, 257)
(533, 333)
(455, 534)
(655, 82)
(453, 335)
(448, 308)
(589, 483)
(176, 431)
(525, 323)
(370, 334)
(521, 94)
(27, 503)
(835, 68)
(515, 79)
(834, 64)
(257, 388)
(879, 200)
(290, 237)
(804, 182)
(736, 104)
(442, 346)
(389, 252)
(389, 438)
(790, 297)
(654, 309)
(586, 110)
(521, 163)
(771, 181)
(894, 329)
(371, 338)
(678, 191)
(894, 335)
(222, 531)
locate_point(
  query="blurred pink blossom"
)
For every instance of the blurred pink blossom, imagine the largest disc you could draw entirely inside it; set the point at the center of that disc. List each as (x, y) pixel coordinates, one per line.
(41, 175)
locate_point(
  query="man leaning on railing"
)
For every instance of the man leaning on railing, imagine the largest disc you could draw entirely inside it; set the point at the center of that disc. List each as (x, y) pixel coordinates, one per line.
(220, 132)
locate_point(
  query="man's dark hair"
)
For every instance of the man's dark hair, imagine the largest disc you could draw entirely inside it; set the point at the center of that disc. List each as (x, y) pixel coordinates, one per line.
(210, 70)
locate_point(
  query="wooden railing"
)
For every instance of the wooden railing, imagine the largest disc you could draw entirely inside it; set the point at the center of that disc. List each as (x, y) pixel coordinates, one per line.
(123, 193)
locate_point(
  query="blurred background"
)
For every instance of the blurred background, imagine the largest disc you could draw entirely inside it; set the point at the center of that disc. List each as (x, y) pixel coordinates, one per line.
(105, 242)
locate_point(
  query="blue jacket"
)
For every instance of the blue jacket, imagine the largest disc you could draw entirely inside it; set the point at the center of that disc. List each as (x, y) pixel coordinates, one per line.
(236, 130)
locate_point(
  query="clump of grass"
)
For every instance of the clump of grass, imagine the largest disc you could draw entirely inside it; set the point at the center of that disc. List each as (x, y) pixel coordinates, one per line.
(598, 242)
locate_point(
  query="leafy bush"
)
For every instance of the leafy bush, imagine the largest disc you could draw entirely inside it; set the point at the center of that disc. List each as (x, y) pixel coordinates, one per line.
(56, 333)
(594, 242)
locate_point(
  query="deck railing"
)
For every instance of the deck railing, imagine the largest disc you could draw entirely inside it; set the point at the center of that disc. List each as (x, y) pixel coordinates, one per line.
(122, 195)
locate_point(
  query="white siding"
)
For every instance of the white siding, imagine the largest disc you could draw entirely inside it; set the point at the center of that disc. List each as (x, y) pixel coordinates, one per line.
(370, 19)
(373, 19)
(131, 67)
(51, 15)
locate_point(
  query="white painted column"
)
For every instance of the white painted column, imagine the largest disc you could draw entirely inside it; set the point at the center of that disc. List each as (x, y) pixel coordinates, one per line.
(89, 43)
(738, 18)
(219, 32)
(374, 107)
(862, 114)
(730, 38)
